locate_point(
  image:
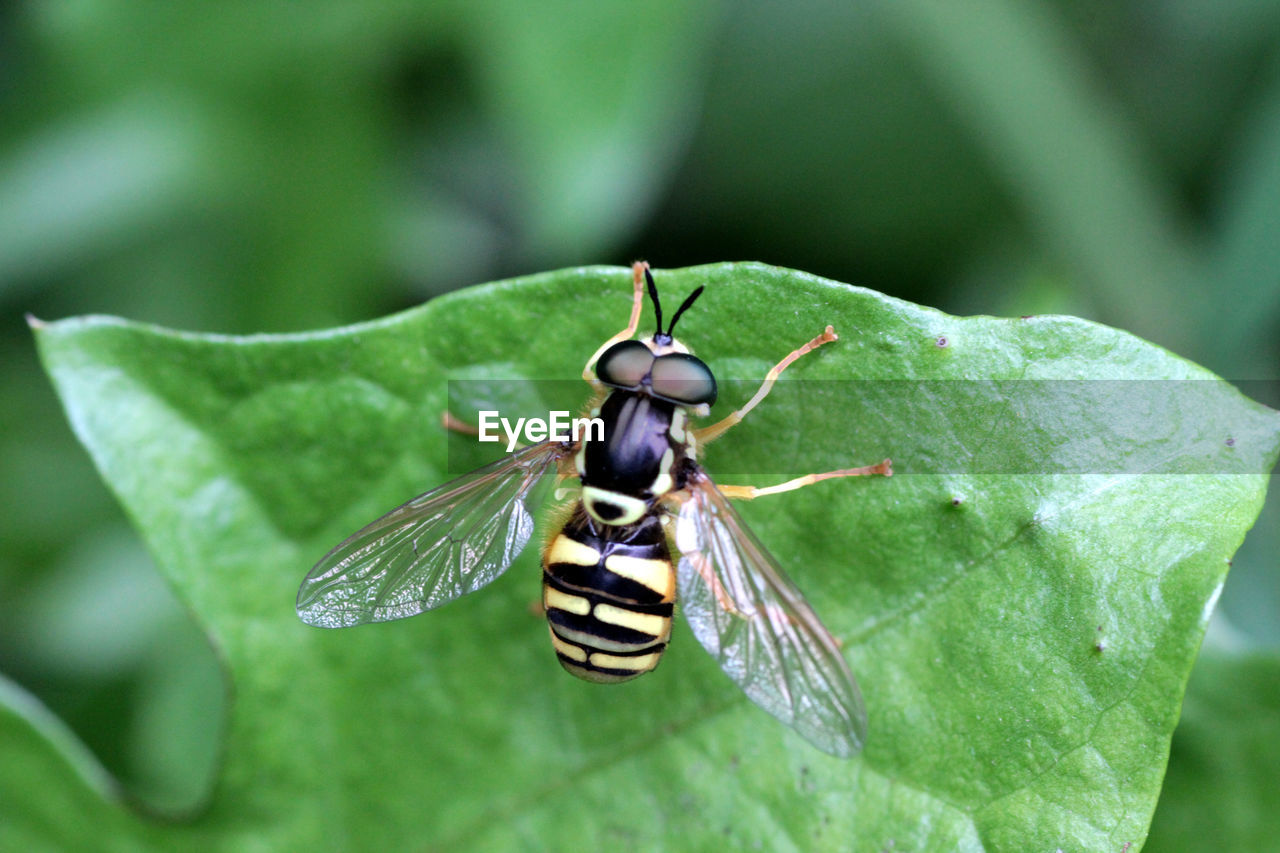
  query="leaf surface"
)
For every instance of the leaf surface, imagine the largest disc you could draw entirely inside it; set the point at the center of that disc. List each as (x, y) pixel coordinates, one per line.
(1022, 601)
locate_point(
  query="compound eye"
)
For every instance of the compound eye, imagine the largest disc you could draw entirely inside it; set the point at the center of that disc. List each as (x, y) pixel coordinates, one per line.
(625, 364)
(683, 379)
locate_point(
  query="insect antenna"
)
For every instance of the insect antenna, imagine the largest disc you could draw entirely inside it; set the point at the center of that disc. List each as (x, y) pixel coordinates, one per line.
(687, 302)
(653, 296)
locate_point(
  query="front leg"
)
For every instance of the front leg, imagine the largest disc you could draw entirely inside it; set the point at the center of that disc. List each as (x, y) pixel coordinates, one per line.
(453, 424)
(639, 271)
(717, 429)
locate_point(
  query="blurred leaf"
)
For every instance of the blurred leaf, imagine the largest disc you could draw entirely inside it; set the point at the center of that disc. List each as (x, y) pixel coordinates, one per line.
(1244, 261)
(175, 738)
(1252, 601)
(102, 625)
(593, 107)
(48, 774)
(1220, 790)
(83, 595)
(80, 184)
(1022, 640)
(1063, 149)
(819, 139)
(1239, 329)
(392, 147)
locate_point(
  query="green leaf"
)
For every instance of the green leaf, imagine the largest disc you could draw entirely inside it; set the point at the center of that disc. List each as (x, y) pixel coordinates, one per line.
(1022, 639)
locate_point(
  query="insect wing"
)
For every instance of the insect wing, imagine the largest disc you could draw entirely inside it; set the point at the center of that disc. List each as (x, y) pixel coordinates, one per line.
(758, 626)
(437, 547)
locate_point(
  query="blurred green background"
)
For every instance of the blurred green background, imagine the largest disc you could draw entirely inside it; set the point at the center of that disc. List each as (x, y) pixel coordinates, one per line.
(260, 167)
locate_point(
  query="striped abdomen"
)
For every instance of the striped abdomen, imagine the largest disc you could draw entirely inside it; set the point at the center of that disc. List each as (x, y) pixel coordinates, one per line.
(608, 593)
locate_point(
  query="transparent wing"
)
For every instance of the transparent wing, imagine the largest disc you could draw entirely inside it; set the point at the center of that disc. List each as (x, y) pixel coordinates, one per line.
(755, 622)
(437, 547)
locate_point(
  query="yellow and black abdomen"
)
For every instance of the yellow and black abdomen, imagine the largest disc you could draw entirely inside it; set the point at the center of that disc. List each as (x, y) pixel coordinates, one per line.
(608, 592)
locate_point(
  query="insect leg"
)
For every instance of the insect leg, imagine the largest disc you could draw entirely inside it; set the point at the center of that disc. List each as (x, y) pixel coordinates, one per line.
(751, 492)
(717, 429)
(638, 270)
(449, 422)
(453, 424)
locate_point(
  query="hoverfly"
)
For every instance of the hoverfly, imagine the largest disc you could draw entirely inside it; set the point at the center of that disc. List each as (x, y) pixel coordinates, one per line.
(609, 583)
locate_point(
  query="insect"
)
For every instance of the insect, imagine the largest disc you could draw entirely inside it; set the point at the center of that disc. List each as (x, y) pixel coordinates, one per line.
(609, 581)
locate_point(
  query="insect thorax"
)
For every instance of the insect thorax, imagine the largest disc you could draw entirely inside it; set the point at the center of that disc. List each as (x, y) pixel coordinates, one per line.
(637, 460)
